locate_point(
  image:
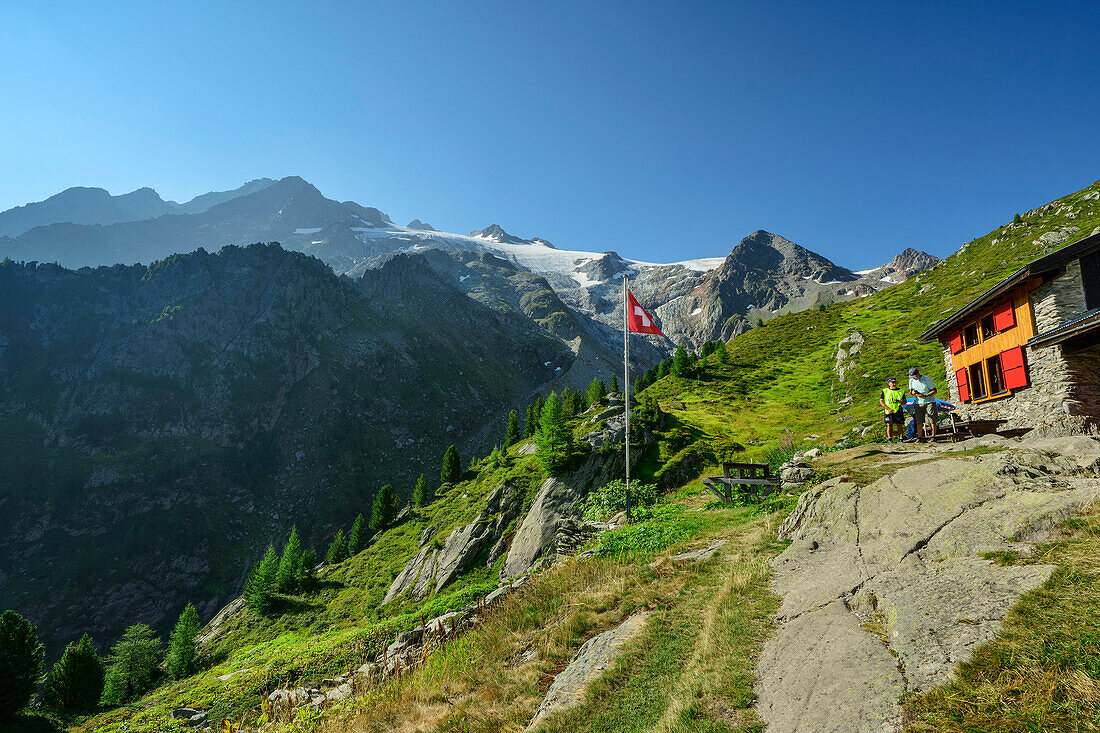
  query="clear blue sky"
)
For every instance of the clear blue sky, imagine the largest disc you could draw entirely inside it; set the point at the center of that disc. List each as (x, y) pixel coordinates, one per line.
(662, 131)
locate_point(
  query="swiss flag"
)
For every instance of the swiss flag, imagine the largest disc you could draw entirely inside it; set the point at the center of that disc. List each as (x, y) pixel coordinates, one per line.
(637, 318)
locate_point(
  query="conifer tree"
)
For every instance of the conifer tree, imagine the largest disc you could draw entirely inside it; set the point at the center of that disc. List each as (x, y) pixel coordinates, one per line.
(338, 550)
(75, 683)
(290, 565)
(530, 423)
(384, 510)
(708, 349)
(357, 538)
(613, 385)
(596, 391)
(452, 466)
(722, 352)
(680, 362)
(133, 665)
(662, 369)
(21, 658)
(181, 657)
(554, 439)
(639, 385)
(259, 589)
(565, 403)
(309, 568)
(511, 433)
(422, 495)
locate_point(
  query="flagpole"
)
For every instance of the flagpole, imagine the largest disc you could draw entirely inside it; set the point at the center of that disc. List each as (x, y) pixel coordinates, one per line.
(626, 388)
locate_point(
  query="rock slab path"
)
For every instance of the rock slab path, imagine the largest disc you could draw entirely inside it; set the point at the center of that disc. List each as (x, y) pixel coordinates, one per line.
(885, 589)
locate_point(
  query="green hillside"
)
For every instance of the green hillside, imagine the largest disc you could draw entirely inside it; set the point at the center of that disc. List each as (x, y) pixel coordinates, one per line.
(782, 376)
(776, 391)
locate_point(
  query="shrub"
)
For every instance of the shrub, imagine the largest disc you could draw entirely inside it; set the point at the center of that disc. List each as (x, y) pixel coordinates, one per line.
(611, 499)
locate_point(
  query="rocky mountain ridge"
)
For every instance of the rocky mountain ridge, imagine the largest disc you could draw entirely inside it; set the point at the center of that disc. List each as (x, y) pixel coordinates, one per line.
(763, 276)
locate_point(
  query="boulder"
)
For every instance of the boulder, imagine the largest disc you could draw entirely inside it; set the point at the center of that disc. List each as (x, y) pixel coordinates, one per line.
(183, 713)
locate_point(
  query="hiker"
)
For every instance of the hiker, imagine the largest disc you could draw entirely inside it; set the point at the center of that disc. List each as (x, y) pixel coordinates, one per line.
(924, 390)
(892, 400)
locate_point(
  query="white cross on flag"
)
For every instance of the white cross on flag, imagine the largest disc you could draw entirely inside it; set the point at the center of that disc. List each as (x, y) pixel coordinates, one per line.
(638, 319)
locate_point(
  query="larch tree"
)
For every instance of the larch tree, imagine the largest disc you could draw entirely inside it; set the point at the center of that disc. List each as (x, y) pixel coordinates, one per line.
(182, 657)
(290, 565)
(384, 510)
(133, 665)
(338, 550)
(422, 494)
(554, 439)
(259, 588)
(357, 538)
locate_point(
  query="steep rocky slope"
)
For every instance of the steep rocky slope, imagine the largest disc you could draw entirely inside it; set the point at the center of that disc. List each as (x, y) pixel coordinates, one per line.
(159, 425)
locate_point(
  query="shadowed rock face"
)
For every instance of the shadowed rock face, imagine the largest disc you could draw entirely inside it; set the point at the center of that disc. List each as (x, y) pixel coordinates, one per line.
(905, 553)
(160, 425)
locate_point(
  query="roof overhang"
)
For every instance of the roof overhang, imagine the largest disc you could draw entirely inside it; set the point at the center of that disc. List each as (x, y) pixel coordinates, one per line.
(1085, 323)
(1036, 268)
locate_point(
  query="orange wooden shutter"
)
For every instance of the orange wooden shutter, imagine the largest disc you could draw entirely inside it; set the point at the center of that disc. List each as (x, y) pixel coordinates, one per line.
(964, 386)
(1004, 316)
(956, 342)
(1014, 368)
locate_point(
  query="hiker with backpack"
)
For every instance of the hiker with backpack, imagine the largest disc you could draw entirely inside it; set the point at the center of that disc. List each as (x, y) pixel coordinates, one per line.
(892, 401)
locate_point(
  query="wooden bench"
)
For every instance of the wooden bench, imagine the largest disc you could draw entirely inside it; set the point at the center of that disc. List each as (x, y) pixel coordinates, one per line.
(754, 480)
(960, 429)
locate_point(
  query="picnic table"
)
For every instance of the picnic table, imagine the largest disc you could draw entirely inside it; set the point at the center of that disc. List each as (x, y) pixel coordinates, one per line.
(755, 480)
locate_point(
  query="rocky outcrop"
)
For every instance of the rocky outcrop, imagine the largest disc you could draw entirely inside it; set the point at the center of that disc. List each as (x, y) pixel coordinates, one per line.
(902, 557)
(555, 500)
(432, 567)
(590, 661)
